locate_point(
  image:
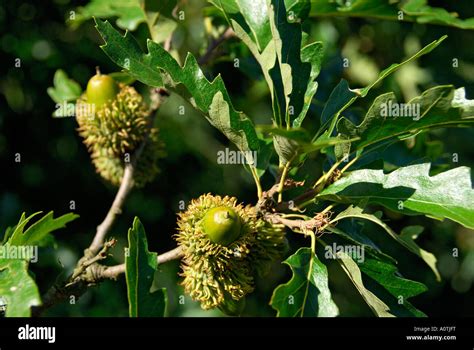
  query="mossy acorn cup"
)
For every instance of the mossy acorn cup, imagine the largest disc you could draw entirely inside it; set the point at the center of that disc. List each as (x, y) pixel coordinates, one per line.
(226, 247)
(114, 121)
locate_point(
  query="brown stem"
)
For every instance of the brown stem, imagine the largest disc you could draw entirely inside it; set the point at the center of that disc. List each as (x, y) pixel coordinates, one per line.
(112, 272)
(314, 224)
(126, 186)
(267, 202)
(88, 259)
(94, 273)
(103, 229)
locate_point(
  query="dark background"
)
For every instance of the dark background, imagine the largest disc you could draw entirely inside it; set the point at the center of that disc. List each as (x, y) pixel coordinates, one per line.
(55, 167)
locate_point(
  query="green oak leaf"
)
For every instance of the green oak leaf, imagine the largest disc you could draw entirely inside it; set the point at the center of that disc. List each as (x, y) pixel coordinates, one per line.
(338, 100)
(288, 148)
(251, 15)
(295, 134)
(126, 52)
(17, 230)
(410, 190)
(342, 96)
(40, 231)
(211, 98)
(392, 304)
(423, 13)
(256, 17)
(159, 18)
(220, 117)
(274, 36)
(408, 235)
(395, 66)
(407, 239)
(434, 108)
(64, 89)
(128, 12)
(298, 66)
(140, 268)
(307, 293)
(359, 239)
(410, 10)
(17, 289)
(8, 232)
(384, 273)
(161, 27)
(131, 13)
(297, 10)
(349, 266)
(122, 77)
(264, 155)
(267, 60)
(365, 8)
(290, 143)
(400, 289)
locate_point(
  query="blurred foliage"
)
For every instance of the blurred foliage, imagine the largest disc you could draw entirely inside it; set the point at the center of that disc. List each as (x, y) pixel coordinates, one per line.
(55, 173)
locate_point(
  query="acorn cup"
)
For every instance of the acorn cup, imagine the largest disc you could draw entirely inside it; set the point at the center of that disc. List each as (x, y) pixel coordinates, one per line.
(114, 121)
(225, 248)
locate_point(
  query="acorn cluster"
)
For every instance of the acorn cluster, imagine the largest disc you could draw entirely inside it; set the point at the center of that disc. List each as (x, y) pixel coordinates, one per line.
(114, 121)
(225, 248)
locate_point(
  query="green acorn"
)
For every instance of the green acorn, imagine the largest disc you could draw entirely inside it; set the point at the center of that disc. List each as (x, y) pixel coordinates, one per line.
(101, 89)
(114, 120)
(222, 225)
(225, 247)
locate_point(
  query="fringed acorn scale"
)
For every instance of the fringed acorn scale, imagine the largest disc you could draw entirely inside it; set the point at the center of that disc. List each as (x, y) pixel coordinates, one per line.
(113, 124)
(112, 168)
(225, 247)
